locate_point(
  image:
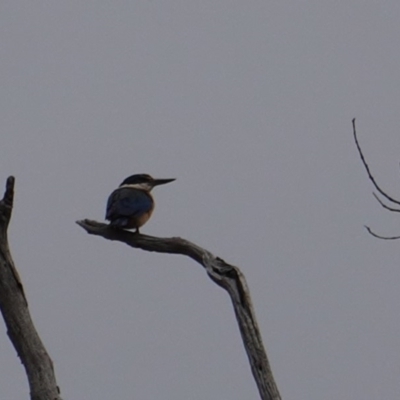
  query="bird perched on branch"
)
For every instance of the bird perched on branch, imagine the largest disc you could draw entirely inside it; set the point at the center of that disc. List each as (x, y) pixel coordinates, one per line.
(131, 205)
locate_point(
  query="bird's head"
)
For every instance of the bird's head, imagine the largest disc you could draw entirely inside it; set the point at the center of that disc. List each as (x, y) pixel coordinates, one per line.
(143, 182)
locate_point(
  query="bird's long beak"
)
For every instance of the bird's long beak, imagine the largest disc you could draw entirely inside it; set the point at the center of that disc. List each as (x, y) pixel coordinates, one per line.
(157, 182)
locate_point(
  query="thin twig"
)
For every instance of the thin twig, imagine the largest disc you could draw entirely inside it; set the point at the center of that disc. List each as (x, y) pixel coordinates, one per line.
(372, 179)
(379, 236)
(384, 205)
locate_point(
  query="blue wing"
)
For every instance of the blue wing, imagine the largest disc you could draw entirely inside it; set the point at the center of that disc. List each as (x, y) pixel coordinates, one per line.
(128, 202)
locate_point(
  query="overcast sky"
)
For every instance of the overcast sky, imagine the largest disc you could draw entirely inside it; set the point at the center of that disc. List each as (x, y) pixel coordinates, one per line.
(249, 105)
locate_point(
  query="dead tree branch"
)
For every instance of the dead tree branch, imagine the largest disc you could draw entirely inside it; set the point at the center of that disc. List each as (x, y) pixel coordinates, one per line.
(372, 179)
(370, 231)
(385, 206)
(14, 307)
(223, 274)
(377, 187)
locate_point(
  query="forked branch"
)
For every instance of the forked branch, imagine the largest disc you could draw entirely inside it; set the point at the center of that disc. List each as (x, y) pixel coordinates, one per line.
(223, 274)
(377, 187)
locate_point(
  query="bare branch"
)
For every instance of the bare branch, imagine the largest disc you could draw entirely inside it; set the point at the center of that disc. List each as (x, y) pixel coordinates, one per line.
(384, 205)
(223, 274)
(14, 307)
(379, 236)
(372, 179)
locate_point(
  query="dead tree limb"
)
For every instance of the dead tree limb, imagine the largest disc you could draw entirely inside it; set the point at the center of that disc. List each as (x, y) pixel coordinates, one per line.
(377, 187)
(370, 176)
(371, 232)
(14, 307)
(223, 274)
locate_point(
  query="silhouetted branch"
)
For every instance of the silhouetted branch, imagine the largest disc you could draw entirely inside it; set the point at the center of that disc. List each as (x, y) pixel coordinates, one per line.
(372, 179)
(385, 205)
(223, 274)
(379, 236)
(14, 307)
(382, 192)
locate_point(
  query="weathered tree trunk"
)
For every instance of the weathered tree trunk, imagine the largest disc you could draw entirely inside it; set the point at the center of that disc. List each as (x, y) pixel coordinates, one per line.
(14, 307)
(223, 274)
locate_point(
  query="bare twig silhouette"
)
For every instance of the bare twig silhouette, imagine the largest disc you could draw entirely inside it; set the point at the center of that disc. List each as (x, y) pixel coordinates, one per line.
(377, 187)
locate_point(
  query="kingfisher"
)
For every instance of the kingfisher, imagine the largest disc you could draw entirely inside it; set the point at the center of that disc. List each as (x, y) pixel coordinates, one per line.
(130, 205)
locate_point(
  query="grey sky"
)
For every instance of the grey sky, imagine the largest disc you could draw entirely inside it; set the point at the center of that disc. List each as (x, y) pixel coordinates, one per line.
(249, 105)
